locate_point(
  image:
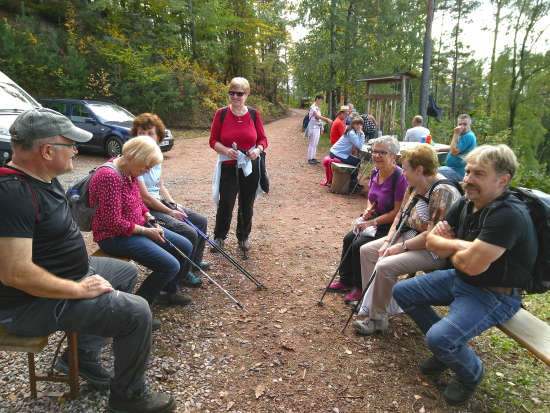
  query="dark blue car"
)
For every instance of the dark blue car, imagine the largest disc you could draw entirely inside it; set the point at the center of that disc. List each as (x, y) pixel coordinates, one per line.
(109, 123)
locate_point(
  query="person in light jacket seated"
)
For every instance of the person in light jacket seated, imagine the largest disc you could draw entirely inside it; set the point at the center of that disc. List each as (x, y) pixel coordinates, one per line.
(353, 138)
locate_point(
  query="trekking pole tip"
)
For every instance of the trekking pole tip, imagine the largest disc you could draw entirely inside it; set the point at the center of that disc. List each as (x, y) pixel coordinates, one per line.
(242, 306)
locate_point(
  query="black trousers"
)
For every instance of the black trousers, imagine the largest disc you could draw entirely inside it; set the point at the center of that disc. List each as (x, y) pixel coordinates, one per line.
(228, 195)
(350, 271)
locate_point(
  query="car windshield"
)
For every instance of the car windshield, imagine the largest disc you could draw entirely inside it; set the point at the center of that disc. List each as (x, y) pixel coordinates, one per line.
(12, 97)
(111, 113)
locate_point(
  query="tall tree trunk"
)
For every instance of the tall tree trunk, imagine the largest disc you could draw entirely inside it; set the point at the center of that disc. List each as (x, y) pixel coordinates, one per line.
(439, 50)
(426, 63)
(193, 33)
(455, 63)
(499, 5)
(347, 47)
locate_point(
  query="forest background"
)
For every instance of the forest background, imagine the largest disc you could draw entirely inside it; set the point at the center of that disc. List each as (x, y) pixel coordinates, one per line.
(175, 58)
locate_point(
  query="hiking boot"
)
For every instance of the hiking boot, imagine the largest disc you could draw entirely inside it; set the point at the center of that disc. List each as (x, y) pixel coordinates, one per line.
(432, 365)
(459, 392)
(354, 295)
(353, 304)
(173, 298)
(89, 367)
(145, 401)
(368, 326)
(244, 245)
(219, 242)
(313, 162)
(338, 287)
(191, 280)
(156, 324)
(204, 265)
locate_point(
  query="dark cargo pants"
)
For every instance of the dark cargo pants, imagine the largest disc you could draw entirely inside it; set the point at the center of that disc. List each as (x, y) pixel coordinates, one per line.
(124, 317)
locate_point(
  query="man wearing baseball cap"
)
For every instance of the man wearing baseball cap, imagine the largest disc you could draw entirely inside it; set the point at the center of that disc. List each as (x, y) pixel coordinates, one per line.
(47, 281)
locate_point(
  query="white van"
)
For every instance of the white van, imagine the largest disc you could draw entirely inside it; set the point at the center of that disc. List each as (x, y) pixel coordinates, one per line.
(13, 101)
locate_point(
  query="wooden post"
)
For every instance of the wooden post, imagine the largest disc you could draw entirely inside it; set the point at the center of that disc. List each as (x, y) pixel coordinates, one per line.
(378, 115)
(385, 114)
(367, 104)
(394, 109)
(403, 104)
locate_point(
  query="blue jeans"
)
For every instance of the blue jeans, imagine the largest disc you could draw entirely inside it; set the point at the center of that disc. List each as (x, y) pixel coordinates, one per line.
(472, 310)
(166, 263)
(450, 173)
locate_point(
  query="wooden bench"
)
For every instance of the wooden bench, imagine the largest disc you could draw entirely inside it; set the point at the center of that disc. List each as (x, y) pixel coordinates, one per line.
(33, 345)
(530, 332)
(340, 172)
(101, 254)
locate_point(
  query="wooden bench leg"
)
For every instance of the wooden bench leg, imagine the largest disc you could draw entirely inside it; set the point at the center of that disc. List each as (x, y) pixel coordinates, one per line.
(32, 375)
(73, 365)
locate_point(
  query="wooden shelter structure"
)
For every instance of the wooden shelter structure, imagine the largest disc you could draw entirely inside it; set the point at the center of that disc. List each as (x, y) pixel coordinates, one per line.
(374, 103)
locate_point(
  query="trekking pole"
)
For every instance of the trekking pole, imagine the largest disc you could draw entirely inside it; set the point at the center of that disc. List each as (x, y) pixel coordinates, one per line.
(239, 196)
(359, 179)
(404, 215)
(320, 302)
(148, 224)
(218, 248)
(354, 169)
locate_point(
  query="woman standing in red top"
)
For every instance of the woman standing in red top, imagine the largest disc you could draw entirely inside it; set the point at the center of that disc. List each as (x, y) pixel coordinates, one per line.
(237, 127)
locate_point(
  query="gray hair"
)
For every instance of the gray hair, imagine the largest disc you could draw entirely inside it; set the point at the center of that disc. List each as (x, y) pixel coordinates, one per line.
(500, 157)
(30, 145)
(350, 105)
(391, 142)
(466, 116)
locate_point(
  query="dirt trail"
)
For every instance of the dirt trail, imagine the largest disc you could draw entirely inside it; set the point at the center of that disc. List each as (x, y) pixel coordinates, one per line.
(288, 355)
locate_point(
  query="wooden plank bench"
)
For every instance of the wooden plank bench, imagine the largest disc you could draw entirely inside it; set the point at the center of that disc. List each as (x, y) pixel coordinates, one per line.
(340, 172)
(33, 345)
(530, 332)
(101, 254)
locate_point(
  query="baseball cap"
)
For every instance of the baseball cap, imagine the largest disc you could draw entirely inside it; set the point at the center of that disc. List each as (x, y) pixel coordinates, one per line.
(43, 123)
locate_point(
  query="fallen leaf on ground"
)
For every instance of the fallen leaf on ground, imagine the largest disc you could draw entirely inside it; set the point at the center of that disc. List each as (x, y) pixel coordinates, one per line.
(283, 310)
(499, 374)
(260, 391)
(397, 335)
(422, 410)
(230, 405)
(416, 396)
(348, 351)
(425, 384)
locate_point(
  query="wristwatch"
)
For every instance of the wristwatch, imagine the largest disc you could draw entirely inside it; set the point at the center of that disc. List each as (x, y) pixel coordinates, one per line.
(374, 222)
(405, 246)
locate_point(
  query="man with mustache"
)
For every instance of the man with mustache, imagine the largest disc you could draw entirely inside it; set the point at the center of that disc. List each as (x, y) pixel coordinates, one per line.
(463, 142)
(490, 240)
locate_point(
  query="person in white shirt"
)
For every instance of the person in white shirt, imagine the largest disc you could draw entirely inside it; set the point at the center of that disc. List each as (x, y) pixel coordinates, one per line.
(417, 132)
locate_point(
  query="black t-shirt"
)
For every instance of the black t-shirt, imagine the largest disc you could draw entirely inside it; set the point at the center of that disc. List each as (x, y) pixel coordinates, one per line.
(507, 225)
(57, 244)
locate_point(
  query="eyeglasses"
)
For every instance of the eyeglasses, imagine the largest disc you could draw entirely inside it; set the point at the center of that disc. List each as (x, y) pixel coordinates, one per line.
(239, 94)
(64, 144)
(380, 153)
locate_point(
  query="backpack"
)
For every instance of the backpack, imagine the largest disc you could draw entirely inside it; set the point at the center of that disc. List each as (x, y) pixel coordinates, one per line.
(80, 210)
(538, 204)
(368, 125)
(305, 122)
(264, 179)
(8, 174)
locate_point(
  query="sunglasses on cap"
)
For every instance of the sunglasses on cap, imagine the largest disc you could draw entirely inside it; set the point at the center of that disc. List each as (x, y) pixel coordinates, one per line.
(239, 94)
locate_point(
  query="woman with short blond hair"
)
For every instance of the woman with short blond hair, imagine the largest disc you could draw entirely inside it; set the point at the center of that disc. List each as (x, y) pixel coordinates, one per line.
(119, 223)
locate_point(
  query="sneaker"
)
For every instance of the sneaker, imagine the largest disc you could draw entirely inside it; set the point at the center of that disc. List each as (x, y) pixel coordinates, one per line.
(175, 298)
(156, 324)
(353, 304)
(204, 265)
(355, 295)
(315, 161)
(432, 365)
(219, 242)
(191, 280)
(368, 326)
(459, 392)
(338, 287)
(312, 162)
(244, 245)
(89, 368)
(146, 401)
